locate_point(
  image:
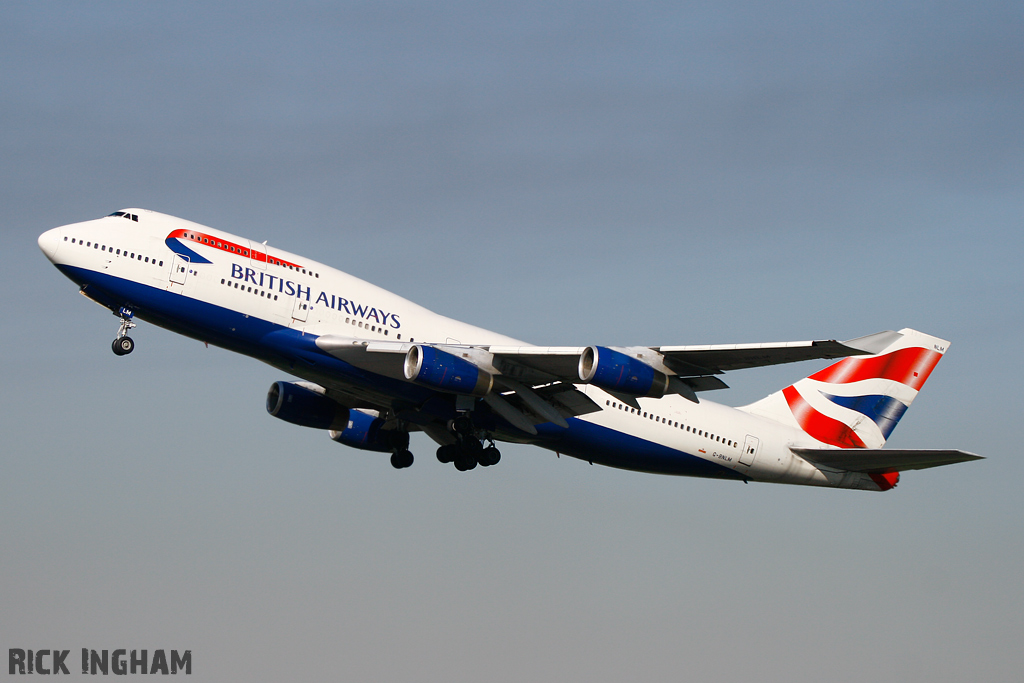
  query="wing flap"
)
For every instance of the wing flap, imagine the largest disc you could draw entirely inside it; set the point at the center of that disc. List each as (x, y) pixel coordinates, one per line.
(882, 460)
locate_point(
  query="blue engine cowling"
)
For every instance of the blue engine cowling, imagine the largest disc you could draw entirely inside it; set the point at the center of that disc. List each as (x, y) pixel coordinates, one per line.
(615, 371)
(305, 404)
(365, 431)
(440, 369)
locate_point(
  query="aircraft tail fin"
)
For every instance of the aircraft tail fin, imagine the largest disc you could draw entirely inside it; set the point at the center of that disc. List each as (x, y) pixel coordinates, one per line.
(858, 401)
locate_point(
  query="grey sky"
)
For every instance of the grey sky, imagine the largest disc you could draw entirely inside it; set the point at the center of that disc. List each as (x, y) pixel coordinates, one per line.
(563, 173)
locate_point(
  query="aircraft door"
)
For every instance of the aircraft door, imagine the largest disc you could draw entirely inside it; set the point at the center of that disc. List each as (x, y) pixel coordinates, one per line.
(749, 450)
(258, 255)
(300, 309)
(179, 268)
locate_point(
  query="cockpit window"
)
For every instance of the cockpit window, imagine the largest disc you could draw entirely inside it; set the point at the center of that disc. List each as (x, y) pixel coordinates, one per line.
(122, 214)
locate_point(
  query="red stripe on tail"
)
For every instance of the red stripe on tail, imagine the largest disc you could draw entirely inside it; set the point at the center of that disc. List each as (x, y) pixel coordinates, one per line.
(886, 481)
(821, 427)
(909, 366)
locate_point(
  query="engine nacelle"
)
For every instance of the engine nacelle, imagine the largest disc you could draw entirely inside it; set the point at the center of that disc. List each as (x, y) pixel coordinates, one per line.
(440, 369)
(305, 404)
(365, 431)
(615, 371)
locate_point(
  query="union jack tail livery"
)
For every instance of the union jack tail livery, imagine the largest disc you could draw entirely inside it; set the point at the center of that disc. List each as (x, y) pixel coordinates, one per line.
(857, 402)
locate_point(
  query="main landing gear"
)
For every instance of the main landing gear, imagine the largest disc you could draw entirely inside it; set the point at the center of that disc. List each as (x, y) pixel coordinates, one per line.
(123, 344)
(398, 440)
(467, 452)
(401, 459)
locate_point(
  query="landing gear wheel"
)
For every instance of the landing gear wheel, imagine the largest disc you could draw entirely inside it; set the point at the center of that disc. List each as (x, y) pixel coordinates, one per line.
(448, 453)
(122, 346)
(490, 456)
(463, 425)
(464, 463)
(401, 459)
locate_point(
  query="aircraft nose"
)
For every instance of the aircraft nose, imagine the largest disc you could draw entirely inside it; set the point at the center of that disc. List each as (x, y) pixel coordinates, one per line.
(49, 241)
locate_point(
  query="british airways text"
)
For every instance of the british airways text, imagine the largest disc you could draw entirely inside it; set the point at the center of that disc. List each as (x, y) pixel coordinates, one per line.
(261, 279)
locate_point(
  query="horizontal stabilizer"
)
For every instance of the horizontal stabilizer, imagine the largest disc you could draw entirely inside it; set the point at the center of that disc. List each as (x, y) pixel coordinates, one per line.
(882, 460)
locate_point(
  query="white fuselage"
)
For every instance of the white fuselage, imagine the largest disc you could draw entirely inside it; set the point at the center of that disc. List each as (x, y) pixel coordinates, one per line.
(245, 291)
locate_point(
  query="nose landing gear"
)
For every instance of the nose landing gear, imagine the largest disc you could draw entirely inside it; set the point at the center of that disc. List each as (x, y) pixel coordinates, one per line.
(123, 344)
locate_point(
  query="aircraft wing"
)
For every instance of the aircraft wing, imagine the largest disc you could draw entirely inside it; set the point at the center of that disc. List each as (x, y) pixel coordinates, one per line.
(545, 364)
(713, 360)
(529, 385)
(562, 362)
(882, 460)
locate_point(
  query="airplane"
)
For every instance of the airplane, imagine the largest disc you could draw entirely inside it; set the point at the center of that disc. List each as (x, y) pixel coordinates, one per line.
(372, 367)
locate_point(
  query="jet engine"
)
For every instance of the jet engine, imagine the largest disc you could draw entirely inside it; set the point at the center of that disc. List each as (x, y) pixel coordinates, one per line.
(615, 371)
(440, 369)
(364, 431)
(305, 404)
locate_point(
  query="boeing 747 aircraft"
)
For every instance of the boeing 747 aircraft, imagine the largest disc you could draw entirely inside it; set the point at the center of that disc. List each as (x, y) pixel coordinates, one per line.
(373, 367)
